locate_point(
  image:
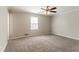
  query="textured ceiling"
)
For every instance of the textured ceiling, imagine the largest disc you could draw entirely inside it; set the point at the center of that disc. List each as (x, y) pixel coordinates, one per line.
(37, 9)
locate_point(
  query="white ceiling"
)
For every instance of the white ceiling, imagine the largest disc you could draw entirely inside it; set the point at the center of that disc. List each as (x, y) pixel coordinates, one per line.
(37, 9)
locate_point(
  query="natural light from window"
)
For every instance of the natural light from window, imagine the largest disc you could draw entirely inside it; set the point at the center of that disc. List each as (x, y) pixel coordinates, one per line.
(34, 23)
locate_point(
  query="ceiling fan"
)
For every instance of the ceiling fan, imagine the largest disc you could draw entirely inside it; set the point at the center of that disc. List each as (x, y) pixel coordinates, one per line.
(49, 9)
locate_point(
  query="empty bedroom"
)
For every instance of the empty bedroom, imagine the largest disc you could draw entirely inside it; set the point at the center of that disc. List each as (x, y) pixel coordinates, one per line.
(42, 29)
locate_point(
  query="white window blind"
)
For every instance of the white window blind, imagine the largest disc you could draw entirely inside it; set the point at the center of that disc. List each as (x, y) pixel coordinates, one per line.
(34, 23)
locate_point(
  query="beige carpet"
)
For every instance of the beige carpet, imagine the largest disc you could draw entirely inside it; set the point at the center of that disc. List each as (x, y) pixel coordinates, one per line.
(46, 43)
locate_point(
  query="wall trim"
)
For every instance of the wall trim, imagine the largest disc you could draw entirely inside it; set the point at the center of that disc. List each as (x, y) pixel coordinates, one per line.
(3, 49)
(17, 37)
(66, 36)
(28, 36)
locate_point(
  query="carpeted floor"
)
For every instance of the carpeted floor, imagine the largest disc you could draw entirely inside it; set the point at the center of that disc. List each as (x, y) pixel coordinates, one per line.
(46, 43)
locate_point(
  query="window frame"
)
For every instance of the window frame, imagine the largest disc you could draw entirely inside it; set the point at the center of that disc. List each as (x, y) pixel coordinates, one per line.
(34, 23)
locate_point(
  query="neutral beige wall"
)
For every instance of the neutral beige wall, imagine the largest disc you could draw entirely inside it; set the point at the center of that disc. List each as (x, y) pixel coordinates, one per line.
(3, 28)
(66, 24)
(20, 24)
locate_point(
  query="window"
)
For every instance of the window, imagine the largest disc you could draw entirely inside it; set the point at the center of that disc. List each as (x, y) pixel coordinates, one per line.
(34, 23)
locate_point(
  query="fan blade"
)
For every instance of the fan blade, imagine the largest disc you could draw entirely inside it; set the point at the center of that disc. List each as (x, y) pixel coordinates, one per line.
(42, 12)
(53, 11)
(53, 8)
(43, 9)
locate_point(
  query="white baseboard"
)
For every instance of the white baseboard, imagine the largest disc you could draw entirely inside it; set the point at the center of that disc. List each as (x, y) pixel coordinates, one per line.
(26, 36)
(3, 48)
(66, 36)
(17, 37)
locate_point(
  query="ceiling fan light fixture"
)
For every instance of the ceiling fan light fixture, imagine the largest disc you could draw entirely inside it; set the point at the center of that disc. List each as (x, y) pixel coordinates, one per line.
(49, 9)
